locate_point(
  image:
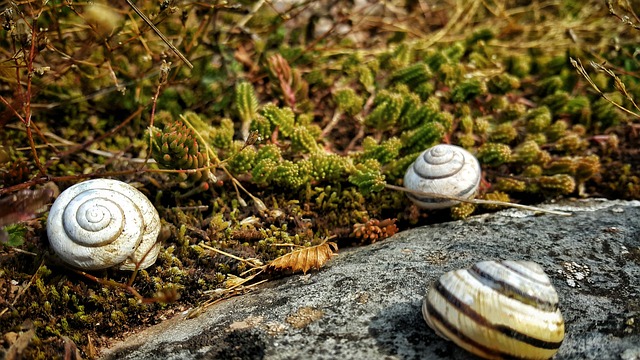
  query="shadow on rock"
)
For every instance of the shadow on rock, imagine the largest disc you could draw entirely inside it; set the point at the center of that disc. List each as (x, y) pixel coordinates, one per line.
(233, 345)
(399, 330)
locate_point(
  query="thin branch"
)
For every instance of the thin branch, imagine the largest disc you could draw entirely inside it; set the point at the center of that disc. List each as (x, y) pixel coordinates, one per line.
(109, 133)
(619, 85)
(46, 179)
(76, 146)
(160, 34)
(624, 19)
(113, 283)
(165, 67)
(475, 201)
(15, 300)
(250, 262)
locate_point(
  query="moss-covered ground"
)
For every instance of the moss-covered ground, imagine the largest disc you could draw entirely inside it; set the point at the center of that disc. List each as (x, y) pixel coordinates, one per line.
(277, 131)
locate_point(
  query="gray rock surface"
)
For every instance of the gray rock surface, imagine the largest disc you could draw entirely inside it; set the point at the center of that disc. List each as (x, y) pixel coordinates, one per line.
(365, 304)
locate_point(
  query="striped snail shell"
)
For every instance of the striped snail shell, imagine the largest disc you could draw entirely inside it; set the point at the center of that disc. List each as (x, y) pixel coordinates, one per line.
(446, 170)
(102, 223)
(497, 310)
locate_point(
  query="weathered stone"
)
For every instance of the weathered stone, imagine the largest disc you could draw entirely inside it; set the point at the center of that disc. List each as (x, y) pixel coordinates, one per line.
(366, 303)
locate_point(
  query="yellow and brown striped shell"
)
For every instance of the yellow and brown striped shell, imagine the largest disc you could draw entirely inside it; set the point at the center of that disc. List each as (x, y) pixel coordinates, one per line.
(497, 310)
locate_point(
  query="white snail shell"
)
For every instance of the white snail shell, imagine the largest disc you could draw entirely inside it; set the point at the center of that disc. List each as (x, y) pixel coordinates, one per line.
(496, 310)
(446, 170)
(102, 223)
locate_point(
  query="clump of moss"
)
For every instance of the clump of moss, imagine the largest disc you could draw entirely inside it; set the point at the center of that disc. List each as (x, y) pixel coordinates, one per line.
(276, 139)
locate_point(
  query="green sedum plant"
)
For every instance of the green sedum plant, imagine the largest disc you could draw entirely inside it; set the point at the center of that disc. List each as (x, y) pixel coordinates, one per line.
(280, 139)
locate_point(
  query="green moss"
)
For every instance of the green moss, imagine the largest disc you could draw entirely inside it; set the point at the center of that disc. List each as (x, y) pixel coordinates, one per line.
(538, 119)
(262, 125)
(518, 65)
(303, 140)
(579, 108)
(467, 90)
(397, 168)
(550, 85)
(242, 159)
(539, 130)
(384, 153)
(560, 184)
(348, 101)
(246, 102)
(15, 235)
(494, 154)
(423, 137)
(462, 210)
(503, 83)
(222, 136)
(503, 133)
(283, 118)
(529, 152)
(413, 76)
(367, 177)
(556, 101)
(387, 110)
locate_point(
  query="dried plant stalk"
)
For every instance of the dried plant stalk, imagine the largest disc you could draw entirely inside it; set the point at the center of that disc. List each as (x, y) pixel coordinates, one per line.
(375, 229)
(476, 201)
(618, 84)
(305, 259)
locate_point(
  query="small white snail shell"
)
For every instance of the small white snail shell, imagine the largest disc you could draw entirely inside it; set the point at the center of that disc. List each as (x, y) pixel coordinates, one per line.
(102, 223)
(446, 170)
(496, 310)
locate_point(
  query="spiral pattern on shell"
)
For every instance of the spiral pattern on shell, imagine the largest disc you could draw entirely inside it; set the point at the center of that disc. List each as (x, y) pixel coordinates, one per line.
(497, 310)
(446, 170)
(103, 223)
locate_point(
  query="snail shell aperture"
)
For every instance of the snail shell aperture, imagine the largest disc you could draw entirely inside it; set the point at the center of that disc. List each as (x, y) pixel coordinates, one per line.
(497, 310)
(104, 223)
(446, 170)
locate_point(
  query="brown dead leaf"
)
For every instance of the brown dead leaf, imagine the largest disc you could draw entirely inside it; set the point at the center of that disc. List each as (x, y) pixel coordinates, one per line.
(21, 343)
(10, 337)
(24, 205)
(92, 352)
(71, 351)
(305, 259)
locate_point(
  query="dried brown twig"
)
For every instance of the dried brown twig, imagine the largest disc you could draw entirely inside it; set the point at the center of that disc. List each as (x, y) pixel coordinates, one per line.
(617, 83)
(476, 201)
(164, 295)
(15, 300)
(160, 34)
(625, 18)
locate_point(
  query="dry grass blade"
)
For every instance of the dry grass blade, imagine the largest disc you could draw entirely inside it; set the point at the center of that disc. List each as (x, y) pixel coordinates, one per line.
(577, 64)
(476, 201)
(160, 34)
(625, 19)
(305, 259)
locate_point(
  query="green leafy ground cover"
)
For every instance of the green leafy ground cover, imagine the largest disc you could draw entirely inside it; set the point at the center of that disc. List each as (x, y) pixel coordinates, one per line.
(284, 132)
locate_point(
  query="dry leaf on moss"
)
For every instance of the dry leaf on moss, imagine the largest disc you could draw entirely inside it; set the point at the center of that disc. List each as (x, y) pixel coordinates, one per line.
(305, 259)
